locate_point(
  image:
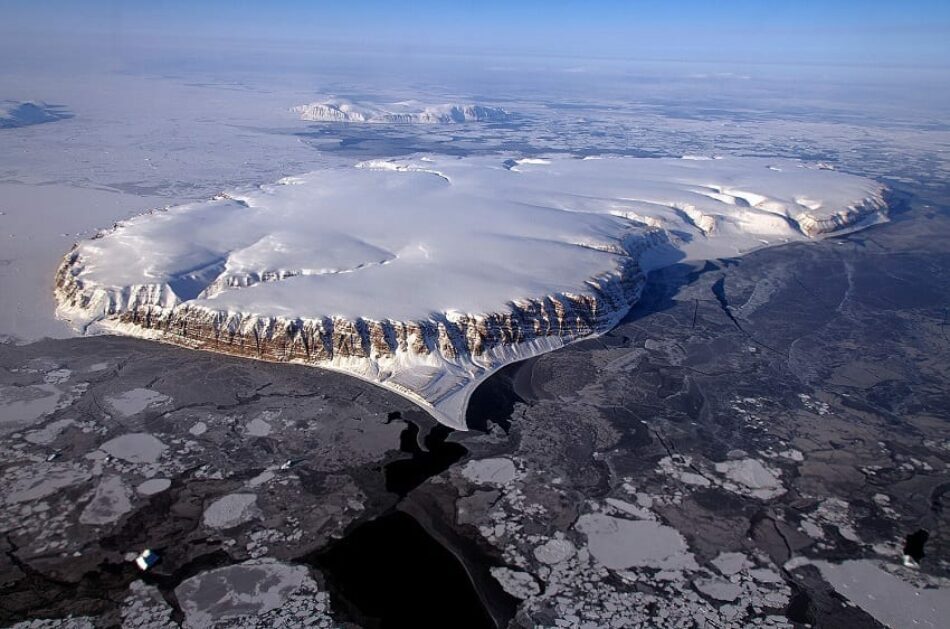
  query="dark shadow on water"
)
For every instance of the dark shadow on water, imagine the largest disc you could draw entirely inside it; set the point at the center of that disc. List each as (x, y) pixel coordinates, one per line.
(434, 456)
(494, 400)
(914, 544)
(663, 285)
(390, 573)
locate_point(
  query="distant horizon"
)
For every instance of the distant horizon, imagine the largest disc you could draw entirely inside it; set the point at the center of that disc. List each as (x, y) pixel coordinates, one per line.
(837, 32)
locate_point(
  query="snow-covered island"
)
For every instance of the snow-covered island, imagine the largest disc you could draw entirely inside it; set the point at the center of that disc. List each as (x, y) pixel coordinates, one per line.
(404, 112)
(426, 275)
(23, 114)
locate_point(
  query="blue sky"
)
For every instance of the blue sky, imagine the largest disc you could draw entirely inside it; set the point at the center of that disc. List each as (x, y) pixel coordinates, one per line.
(834, 31)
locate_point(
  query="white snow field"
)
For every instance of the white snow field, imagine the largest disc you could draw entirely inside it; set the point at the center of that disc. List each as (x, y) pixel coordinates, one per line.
(426, 275)
(404, 112)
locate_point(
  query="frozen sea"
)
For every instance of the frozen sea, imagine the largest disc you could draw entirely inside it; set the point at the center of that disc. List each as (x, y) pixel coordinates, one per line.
(752, 445)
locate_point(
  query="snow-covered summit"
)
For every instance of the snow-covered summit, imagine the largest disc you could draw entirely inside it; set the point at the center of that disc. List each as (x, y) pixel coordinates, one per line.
(426, 275)
(22, 114)
(405, 112)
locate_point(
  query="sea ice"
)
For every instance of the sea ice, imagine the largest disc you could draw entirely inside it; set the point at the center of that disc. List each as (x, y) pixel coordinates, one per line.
(247, 589)
(26, 404)
(231, 510)
(620, 544)
(110, 502)
(753, 476)
(46, 481)
(137, 447)
(490, 471)
(519, 584)
(153, 486)
(554, 551)
(135, 401)
(257, 427)
(888, 598)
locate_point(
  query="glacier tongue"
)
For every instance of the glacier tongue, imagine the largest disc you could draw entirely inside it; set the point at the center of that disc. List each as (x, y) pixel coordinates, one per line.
(426, 275)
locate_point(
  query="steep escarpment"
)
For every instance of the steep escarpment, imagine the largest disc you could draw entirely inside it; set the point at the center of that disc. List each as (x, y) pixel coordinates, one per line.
(424, 276)
(468, 346)
(461, 337)
(815, 224)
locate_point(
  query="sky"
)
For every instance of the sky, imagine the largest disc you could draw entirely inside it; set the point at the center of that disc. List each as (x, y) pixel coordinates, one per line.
(868, 32)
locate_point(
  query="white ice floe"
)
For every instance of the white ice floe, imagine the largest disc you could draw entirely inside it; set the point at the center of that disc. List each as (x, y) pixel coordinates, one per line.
(490, 471)
(110, 502)
(620, 544)
(752, 477)
(153, 486)
(24, 405)
(258, 427)
(891, 600)
(245, 590)
(135, 401)
(403, 112)
(519, 584)
(426, 275)
(46, 481)
(554, 551)
(136, 447)
(230, 511)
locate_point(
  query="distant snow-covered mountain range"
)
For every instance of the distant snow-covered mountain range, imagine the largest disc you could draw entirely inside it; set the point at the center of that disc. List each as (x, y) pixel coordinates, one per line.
(404, 112)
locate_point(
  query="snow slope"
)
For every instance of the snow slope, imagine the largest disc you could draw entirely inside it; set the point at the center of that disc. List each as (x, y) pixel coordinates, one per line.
(426, 275)
(405, 112)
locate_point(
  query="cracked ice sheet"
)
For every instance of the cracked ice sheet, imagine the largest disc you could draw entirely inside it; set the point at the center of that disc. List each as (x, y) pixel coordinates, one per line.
(469, 235)
(135, 401)
(249, 589)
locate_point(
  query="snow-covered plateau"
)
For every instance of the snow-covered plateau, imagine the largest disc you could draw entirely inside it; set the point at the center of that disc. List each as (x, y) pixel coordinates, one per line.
(426, 275)
(404, 112)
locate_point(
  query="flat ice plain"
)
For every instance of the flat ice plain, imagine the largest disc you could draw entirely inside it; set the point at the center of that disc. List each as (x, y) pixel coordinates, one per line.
(426, 275)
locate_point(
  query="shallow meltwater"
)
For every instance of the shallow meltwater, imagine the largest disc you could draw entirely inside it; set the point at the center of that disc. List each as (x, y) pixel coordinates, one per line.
(390, 572)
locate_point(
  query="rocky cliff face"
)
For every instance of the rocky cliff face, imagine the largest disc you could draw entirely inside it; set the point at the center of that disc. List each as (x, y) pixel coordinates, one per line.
(471, 346)
(813, 225)
(464, 338)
